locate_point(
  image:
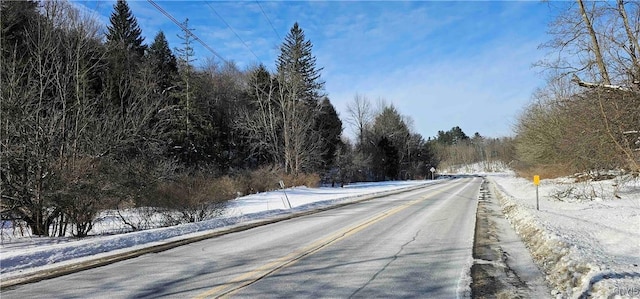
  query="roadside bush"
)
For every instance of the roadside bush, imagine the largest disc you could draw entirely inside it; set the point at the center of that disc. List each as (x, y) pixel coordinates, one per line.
(587, 131)
(264, 179)
(310, 180)
(194, 198)
(268, 179)
(224, 188)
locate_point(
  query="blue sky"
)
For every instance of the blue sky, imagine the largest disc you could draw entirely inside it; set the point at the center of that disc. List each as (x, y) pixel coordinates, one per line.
(441, 63)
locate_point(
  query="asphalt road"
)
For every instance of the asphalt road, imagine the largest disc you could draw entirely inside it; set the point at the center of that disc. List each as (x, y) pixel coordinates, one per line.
(414, 244)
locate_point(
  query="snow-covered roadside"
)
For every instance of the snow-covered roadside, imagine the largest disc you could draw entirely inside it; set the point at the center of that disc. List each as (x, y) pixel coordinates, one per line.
(585, 247)
(20, 256)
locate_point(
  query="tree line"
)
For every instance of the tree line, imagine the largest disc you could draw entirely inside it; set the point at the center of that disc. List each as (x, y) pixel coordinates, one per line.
(587, 117)
(454, 149)
(94, 120)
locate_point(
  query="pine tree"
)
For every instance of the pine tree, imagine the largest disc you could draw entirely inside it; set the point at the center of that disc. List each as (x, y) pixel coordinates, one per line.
(329, 125)
(193, 136)
(297, 65)
(125, 53)
(298, 92)
(262, 86)
(387, 161)
(392, 137)
(124, 32)
(162, 62)
(453, 136)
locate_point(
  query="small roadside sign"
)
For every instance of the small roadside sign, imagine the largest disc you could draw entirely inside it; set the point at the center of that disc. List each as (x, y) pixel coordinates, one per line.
(536, 182)
(285, 193)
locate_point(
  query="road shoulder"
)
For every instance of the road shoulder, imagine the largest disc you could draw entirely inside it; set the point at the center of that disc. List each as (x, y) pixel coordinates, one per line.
(502, 266)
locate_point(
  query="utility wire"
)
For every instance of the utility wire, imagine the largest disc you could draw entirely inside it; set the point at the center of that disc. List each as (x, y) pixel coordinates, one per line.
(234, 32)
(185, 29)
(269, 20)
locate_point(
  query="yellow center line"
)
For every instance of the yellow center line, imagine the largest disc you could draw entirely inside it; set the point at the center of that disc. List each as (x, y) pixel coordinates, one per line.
(251, 277)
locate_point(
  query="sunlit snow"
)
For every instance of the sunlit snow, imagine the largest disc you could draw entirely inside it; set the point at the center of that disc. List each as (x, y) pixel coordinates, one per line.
(21, 255)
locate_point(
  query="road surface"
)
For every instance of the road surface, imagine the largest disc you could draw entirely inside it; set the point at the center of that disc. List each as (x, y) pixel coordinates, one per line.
(413, 244)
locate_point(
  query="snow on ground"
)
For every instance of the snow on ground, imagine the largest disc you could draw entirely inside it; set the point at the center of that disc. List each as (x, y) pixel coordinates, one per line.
(477, 168)
(21, 255)
(586, 235)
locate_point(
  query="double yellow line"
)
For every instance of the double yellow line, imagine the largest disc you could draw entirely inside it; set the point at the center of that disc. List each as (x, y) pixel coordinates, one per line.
(239, 282)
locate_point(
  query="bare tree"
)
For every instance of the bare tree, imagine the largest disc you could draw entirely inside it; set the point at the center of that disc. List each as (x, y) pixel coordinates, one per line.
(597, 52)
(28, 171)
(60, 135)
(591, 44)
(597, 46)
(279, 122)
(301, 143)
(77, 68)
(261, 120)
(359, 115)
(633, 47)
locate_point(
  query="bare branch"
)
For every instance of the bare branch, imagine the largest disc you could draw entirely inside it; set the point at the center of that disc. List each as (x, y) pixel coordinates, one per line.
(577, 80)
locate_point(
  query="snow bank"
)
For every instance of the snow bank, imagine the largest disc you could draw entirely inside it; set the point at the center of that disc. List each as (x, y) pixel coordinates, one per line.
(586, 248)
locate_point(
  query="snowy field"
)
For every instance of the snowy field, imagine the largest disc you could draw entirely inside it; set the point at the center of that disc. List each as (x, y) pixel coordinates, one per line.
(586, 235)
(22, 255)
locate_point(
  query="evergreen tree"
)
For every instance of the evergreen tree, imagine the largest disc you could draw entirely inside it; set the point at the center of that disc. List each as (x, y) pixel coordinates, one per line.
(387, 162)
(261, 84)
(162, 62)
(125, 52)
(451, 137)
(389, 123)
(124, 32)
(297, 65)
(298, 91)
(329, 125)
(392, 138)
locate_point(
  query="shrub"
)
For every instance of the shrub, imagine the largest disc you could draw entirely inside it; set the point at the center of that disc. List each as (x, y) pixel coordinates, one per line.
(194, 198)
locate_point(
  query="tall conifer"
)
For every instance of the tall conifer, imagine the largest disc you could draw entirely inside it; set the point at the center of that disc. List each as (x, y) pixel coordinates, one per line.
(125, 53)
(297, 65)
(162, 61)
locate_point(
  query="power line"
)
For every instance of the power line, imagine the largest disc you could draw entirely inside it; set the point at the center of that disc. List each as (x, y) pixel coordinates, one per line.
(185, 29)
(234, 32)
(268, 20)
